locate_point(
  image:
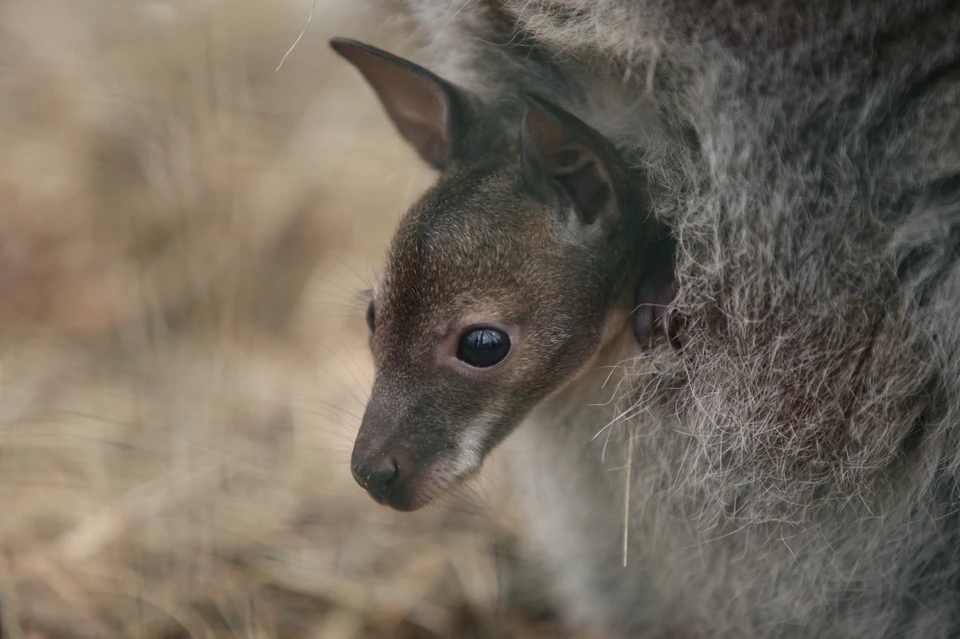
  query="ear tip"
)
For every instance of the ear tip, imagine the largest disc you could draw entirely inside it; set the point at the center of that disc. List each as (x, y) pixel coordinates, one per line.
(543, 109)
(339, 45)
(535, 101)
(345, 47)
(533, 111)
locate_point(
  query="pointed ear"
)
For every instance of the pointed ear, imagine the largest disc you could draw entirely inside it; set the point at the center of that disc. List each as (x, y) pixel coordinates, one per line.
(426, 109)
(557, 146)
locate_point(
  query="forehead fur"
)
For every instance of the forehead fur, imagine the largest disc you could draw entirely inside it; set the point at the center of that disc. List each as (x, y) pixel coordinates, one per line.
(476, 233)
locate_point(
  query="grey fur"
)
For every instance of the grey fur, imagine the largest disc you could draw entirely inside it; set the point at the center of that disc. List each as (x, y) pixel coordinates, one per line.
(795, 465)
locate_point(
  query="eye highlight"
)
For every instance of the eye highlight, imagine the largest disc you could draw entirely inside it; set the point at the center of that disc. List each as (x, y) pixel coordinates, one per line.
(371, 317)
(483, 347)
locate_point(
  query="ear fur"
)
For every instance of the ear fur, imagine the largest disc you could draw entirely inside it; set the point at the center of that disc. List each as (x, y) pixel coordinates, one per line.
(558, 147)
(427, 110)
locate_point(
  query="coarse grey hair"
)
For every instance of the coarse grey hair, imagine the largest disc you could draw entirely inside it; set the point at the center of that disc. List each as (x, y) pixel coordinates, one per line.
(795, 465)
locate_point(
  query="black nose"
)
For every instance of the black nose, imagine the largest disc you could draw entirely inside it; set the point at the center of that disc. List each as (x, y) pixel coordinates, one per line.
(379, 476)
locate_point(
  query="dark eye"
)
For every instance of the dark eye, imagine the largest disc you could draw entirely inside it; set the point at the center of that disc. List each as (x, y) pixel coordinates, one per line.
(483, 347)
(371, 318)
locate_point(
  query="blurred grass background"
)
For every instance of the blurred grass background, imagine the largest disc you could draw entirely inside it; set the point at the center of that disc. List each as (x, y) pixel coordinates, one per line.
(185, 230)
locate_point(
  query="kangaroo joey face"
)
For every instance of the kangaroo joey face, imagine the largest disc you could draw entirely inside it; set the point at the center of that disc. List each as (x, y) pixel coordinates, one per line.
(485, 307)
(499, 282)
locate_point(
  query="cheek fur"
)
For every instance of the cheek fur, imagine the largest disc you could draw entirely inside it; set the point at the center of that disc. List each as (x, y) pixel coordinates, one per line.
(470, 449)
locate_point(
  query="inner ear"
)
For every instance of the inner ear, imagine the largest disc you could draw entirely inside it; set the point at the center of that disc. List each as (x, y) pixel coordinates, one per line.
(425, 108)
(559, 148)
(586, 186)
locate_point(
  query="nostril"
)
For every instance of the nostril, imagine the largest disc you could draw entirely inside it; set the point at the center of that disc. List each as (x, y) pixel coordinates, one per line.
(381, 479)
(384, 476)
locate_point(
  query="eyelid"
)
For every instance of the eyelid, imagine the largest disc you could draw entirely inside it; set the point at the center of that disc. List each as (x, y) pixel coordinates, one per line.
(371, 316)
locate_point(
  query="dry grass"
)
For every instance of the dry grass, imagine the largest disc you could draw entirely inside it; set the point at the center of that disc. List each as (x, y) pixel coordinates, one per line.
(183, 365)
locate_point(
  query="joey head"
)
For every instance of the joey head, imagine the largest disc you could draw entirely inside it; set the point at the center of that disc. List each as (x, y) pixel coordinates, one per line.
(502, 282)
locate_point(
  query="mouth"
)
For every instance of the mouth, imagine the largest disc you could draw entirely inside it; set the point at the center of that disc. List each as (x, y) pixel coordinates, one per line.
(408, 492)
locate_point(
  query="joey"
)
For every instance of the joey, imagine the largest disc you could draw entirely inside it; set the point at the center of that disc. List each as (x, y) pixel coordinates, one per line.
(502, 283)
(794, 469)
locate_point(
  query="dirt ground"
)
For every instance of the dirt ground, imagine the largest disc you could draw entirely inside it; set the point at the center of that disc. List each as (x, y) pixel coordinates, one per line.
(185, 232)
